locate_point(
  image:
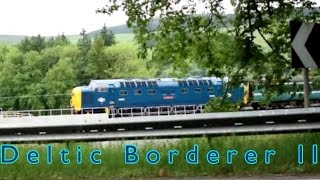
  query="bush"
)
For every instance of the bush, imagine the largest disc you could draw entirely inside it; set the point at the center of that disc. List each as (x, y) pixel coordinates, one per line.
(216, 105)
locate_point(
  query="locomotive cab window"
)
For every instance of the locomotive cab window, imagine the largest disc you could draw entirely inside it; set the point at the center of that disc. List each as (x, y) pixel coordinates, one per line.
(184, 91)
(197, 90)
(123, 92)
(137, 92)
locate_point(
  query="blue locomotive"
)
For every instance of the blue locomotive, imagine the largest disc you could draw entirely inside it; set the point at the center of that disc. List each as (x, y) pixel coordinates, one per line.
(141, 96)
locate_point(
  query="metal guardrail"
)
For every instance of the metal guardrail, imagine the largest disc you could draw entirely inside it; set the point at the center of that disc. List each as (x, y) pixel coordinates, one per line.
(164, 133)
(157, 110)
(43, 112)
(15, 114)
(120, 112)
(100, 127)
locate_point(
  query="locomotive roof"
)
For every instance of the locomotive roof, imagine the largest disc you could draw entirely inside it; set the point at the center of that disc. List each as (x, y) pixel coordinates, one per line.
(161, 82)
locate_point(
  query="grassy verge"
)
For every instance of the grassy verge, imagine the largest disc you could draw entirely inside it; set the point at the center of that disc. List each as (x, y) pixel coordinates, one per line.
(112, 158)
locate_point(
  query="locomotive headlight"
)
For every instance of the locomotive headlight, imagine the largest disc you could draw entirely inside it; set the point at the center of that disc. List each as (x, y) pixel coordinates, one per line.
(76, 98)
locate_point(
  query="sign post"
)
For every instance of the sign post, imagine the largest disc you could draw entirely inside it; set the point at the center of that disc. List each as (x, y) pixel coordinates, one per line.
(306, 87)
(305, 43)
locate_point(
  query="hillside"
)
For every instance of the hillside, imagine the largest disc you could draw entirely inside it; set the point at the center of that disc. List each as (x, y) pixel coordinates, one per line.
(120, 29)
(123, 29)
(10, 39)
(122, 32)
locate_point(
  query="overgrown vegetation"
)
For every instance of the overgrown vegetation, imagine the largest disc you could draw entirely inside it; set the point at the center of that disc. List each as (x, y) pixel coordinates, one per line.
(39, 73)
(216, 105)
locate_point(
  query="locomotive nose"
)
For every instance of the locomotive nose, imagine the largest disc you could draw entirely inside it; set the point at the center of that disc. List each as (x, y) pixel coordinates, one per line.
(76, 99)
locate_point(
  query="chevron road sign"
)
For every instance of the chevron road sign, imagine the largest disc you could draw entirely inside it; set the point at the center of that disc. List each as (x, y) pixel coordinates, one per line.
(305, 42)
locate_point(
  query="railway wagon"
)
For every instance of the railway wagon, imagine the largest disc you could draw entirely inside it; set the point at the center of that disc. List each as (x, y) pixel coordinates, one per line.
(293, 96)
(142, 96)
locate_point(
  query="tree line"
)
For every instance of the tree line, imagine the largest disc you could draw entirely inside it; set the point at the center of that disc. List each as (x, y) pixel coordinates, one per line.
(253, 44)
(39, 72)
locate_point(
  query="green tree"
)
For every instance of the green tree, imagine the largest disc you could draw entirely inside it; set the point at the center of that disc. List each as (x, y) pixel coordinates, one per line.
(84, 45)
(269, 24)
(49, 57)
(61, 40)
(98, 64)
(35, 98)
(32, 73)
(58, 82)
(3, 52)
(107, 36)
(31, 78)
(34, 43)
(125, 62)
(257, 38)
(50, 42)
(118, 61)
(11, 79)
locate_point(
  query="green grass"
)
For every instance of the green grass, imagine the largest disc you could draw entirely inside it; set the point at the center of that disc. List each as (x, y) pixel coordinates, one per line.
(74, 38)
(125, 37)
(113, 166)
